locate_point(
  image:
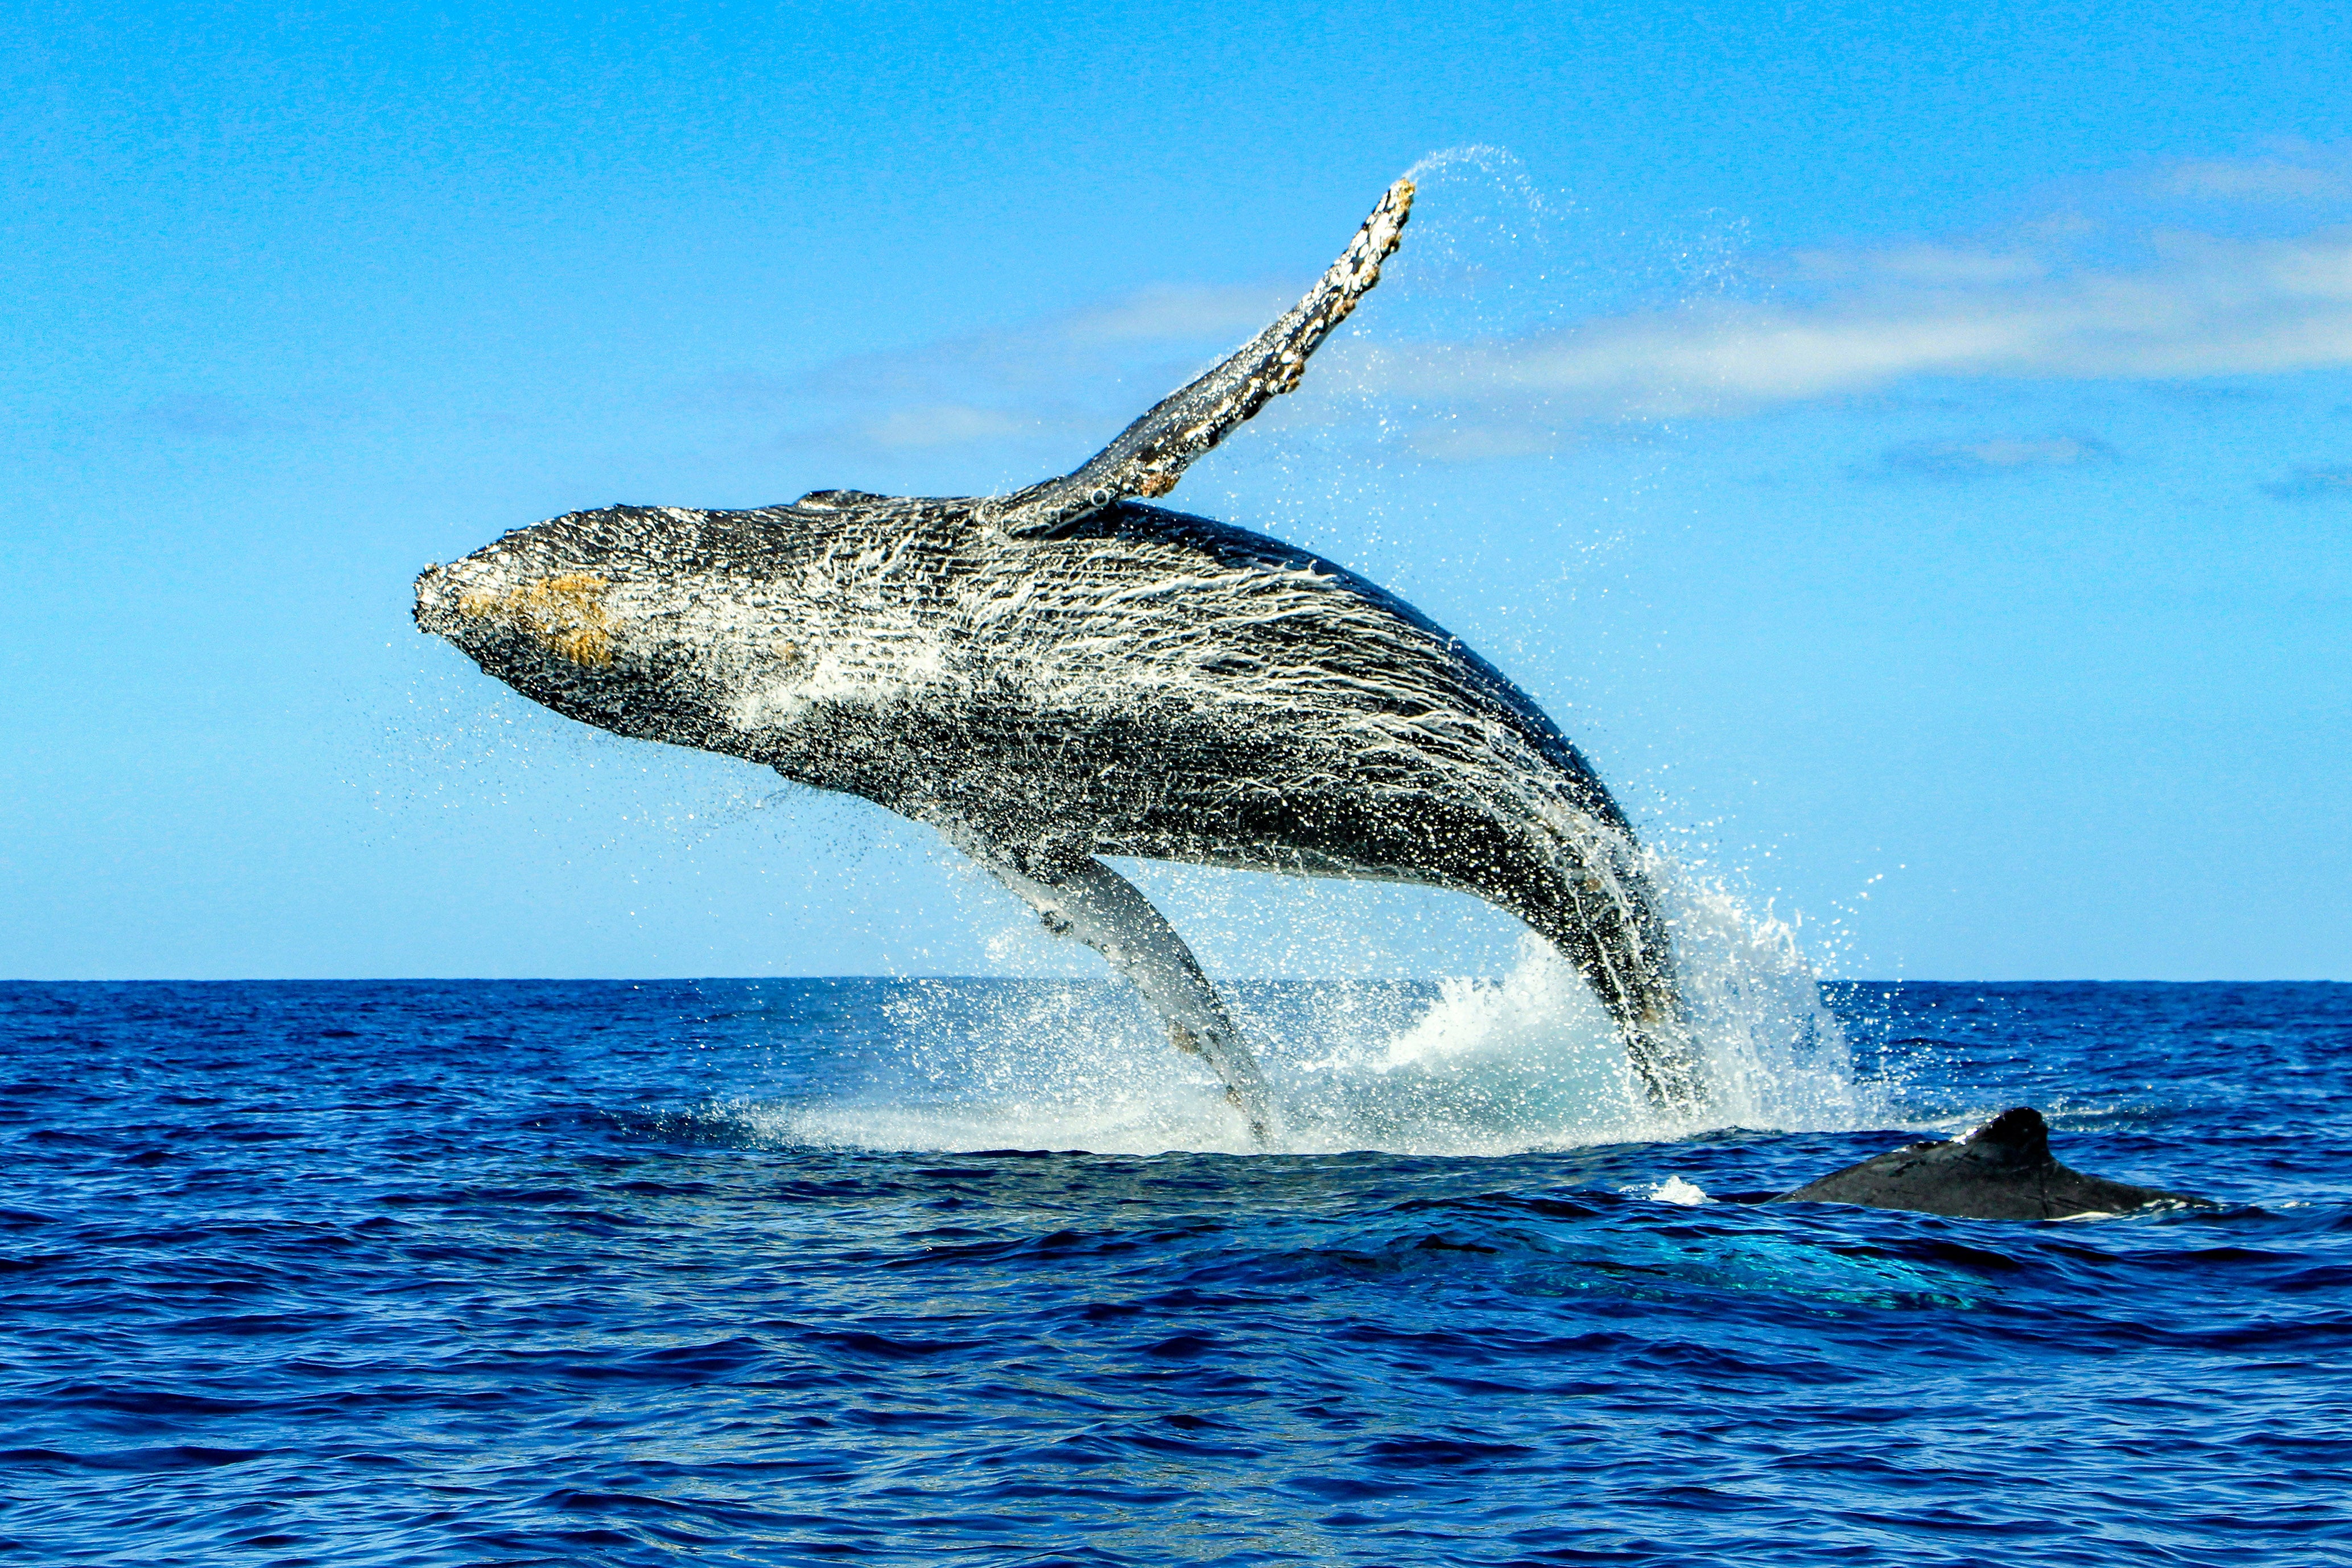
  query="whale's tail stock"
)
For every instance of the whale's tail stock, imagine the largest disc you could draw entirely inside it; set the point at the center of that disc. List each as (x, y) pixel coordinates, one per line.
(1603, 916)
(1664, 1051)
(1645, 1001)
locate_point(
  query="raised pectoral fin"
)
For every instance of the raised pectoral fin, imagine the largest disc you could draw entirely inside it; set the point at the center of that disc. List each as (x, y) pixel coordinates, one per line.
(1152, 454)
(1080, 897)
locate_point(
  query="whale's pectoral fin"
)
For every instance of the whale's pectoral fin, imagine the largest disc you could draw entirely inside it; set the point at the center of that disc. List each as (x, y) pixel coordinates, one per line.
(1152, 454)
(1077, 895)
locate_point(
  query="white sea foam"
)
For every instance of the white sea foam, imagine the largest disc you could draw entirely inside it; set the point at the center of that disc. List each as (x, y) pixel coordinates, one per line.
(1675, 1190)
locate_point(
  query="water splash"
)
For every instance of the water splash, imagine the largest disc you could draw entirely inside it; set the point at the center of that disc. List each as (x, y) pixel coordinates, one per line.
(1775, 1056)
(1682, 1193)
(1451, 1066)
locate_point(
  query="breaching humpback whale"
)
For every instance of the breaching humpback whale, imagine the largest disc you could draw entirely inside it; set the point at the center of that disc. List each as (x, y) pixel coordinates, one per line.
(2003, 1170)
(1064, 673)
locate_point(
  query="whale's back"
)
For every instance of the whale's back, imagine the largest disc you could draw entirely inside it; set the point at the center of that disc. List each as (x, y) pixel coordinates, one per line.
(1146, 682)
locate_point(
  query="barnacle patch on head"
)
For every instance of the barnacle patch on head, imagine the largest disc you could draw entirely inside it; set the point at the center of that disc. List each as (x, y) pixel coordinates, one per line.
(565, 614)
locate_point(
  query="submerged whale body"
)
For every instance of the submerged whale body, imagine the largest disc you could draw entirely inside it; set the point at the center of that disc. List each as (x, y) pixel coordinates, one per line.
(2003, 1170)
(1064, 673)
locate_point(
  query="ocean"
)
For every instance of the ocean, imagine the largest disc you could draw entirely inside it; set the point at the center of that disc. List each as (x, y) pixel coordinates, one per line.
(979, 1271)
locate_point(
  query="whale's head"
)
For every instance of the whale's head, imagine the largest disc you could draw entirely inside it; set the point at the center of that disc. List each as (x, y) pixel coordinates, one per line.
(601, 616)
(733, 632)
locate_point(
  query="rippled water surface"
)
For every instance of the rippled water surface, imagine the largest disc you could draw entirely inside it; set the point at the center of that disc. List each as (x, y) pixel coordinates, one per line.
(775, 1272)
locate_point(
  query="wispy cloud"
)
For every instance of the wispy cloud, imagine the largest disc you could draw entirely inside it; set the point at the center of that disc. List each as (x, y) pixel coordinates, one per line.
(2312, 484)
(2203, 307)
(203, 418)
(2001, 455)
(1167, 312)
(944, 425)
(2260, 180)
(1060, 378)
(1475, 441)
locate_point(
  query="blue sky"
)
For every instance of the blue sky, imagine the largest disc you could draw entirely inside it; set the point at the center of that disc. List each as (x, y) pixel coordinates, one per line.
(1911, 451)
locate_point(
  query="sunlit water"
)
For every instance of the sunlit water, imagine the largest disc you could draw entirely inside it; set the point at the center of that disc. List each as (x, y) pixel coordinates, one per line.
(792, 1271)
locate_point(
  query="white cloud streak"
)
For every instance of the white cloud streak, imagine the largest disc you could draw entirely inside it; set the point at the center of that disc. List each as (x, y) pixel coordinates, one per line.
(2205, 308)
(1165, 312)
(2260, 180)
(2313, 484)
(1062, 377)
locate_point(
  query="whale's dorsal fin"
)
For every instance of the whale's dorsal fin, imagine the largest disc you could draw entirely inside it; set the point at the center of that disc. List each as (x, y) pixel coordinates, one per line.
(837, 501)
(1152, 454)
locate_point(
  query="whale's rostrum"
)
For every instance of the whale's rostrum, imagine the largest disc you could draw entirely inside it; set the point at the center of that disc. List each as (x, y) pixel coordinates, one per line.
(1064, 673)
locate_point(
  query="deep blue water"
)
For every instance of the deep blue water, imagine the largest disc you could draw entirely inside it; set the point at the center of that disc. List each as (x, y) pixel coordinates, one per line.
(475, 1273)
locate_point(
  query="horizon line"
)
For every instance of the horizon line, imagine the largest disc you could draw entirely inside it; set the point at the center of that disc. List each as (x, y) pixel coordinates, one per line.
(1091, 979)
